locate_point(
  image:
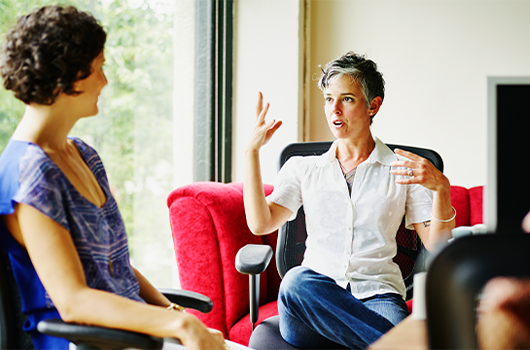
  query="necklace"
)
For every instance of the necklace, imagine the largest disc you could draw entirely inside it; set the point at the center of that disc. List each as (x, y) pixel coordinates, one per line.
(348, 176)
(346, 172)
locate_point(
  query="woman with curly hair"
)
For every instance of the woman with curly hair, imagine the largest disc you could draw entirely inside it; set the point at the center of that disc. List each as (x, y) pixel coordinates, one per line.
(60, 223)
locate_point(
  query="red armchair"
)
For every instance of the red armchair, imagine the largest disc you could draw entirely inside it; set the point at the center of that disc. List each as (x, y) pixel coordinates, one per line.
(209, 227)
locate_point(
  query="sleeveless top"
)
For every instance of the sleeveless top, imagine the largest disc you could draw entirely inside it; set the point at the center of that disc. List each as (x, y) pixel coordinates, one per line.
(29, 176)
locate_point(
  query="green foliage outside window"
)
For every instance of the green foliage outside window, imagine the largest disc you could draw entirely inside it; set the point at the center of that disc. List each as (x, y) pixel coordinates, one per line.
(133, 130)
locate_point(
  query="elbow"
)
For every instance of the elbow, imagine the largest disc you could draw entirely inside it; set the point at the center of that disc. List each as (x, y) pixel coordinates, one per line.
(258, 230)
(258, 227)
(70, 308)
(434, 244)
(68, 312)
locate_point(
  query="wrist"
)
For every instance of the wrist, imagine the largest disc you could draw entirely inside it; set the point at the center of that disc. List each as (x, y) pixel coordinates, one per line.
(177, 307)
(186, 328)
(444, 187)
(251, 151)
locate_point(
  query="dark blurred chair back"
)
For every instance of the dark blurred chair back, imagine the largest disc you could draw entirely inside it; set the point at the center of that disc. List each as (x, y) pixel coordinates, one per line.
(456, 277)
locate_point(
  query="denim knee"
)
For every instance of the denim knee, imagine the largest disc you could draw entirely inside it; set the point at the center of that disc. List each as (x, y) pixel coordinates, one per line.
(292, 285)
(293, 280)
(294, 275)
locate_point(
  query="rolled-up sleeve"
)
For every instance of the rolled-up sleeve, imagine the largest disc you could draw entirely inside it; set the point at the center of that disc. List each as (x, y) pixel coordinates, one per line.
(287, 189)
(419, 206)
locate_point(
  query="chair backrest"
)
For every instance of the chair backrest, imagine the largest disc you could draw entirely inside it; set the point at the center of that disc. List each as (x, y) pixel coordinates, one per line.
(11, 318)
(458, 274)
(291, 236)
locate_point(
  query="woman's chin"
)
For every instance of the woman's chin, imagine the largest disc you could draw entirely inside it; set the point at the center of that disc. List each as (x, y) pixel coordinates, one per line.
(91, 113)
(338, 133)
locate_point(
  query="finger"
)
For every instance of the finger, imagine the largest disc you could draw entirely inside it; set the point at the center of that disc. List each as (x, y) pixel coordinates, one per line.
(407, 154)
(264, 111)
(403, 163)
(274, 125)
(403, 172)
(407, 180)
(259, 104)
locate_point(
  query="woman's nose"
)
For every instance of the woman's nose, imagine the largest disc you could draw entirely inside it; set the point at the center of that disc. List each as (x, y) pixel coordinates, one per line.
(336, 108)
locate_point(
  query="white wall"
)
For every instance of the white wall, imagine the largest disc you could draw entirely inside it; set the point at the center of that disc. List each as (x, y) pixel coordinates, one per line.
(435, 56)
(183, 93)
(268, 57)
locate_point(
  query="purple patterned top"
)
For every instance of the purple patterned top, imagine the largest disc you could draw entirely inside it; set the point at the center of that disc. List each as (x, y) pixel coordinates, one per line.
(29, 176)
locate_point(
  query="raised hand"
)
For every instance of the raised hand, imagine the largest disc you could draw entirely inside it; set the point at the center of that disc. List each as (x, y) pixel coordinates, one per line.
(418, 170)
(263, 131)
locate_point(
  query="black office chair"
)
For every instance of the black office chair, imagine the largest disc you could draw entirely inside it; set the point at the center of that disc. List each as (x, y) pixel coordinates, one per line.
(457, 275)
(253, 260)
(85, 337)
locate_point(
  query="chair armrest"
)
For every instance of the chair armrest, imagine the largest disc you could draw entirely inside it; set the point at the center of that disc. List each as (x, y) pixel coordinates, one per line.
(108, 338)
(253, 259)
(188, 299)
(98, 337)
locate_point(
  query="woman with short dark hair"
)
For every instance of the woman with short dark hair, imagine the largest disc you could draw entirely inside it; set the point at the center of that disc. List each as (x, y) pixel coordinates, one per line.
(348, 290)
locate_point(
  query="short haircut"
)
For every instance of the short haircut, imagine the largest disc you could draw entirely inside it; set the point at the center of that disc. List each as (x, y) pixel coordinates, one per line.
(47, 51)
(360, 69)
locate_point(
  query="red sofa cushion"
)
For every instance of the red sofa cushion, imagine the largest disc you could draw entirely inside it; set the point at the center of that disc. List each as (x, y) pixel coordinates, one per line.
(460, 201)
(476, 196)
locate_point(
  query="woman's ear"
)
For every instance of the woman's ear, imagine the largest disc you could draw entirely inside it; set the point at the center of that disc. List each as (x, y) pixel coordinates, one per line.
(78, 86)
(375, 105)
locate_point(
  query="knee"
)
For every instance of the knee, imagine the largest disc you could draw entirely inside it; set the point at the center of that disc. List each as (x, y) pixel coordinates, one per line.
(294, 279)
(296, 285)
(290, 289)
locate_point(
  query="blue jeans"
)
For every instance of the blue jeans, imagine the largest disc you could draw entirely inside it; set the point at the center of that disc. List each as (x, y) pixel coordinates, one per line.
(315, 312)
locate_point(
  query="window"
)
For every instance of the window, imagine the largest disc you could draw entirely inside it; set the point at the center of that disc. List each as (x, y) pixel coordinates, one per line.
(164, 118)
(142, 131)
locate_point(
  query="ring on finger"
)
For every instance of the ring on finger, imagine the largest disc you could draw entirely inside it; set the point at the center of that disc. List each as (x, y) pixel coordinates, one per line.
(410, 173)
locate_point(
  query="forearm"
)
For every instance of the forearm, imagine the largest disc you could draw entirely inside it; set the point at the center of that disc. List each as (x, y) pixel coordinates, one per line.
(99, 308)
(441, 213)
(257, 210)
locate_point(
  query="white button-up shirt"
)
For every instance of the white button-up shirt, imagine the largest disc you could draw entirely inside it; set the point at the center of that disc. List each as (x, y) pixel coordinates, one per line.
(352, 239)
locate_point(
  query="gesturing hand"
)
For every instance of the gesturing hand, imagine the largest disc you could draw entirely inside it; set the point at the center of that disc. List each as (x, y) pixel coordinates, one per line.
(419, 170)
(262, 131)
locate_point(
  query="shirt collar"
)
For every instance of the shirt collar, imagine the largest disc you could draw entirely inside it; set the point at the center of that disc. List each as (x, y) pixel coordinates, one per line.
(381, 154)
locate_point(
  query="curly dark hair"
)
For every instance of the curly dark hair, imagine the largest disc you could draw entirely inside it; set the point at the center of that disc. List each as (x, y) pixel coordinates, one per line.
(359, 68)
(47, 51)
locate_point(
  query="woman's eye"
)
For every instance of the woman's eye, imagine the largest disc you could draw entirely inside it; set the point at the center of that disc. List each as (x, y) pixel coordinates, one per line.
(348, 99)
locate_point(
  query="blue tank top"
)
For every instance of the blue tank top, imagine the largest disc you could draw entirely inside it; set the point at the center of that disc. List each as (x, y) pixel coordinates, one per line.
(29, 176)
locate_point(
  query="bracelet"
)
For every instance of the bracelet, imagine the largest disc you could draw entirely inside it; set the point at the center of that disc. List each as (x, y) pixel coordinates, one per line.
(177, 307)
(451, 219)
